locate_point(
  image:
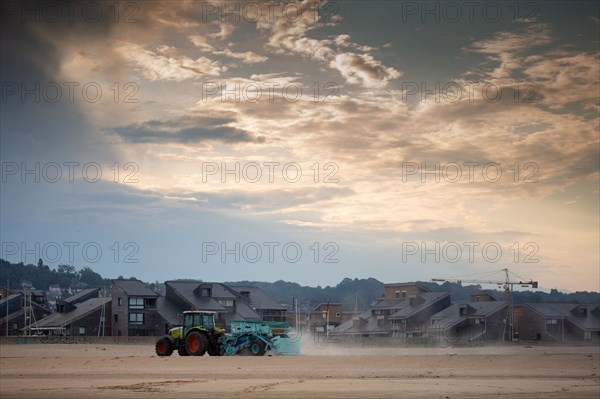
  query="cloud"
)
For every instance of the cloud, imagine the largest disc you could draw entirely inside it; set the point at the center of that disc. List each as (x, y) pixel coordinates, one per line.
(157, 67)
(566, 77)
(185, 130)
(363, 69)
(289, 37)
(247, 57)
(225, 30)
(505, 48)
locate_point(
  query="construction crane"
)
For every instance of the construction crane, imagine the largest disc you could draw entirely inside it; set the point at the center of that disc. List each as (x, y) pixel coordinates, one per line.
(508, 286)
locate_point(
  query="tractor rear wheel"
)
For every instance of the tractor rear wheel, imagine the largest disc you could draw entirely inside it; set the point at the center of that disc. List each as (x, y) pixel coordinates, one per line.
(257, 348)
(164, 347)
(196, 344)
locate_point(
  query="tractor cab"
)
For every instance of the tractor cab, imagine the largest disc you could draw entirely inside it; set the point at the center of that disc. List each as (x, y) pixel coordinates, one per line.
(197, 319)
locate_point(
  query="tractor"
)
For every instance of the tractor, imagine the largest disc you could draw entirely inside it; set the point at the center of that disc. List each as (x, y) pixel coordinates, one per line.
(197, 336)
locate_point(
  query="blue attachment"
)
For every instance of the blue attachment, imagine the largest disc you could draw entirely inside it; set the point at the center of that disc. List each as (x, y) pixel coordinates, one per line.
(272, 333)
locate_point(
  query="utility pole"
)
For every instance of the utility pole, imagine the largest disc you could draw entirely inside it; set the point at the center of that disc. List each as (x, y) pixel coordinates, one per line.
(7, 295)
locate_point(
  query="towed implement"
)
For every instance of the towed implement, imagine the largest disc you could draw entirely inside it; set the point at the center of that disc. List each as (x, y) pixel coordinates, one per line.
(199, 335)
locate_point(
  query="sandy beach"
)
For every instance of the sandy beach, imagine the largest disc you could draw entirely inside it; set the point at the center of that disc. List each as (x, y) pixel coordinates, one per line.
(131, 371)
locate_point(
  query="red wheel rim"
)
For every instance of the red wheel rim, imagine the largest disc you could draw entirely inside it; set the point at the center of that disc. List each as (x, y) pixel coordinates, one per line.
(161, 347)
(194, 344)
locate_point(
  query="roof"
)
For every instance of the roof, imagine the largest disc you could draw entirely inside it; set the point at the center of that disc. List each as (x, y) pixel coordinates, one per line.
(367, 325)
(186, 291)
(427, 299)
(135, 288)
(395, 303)
(451, 316)
(259, 299)
(491, 293)
(9, 298)
(81, 295)
(408, 284)
(81, 310)
(168, 311)
(591, 321)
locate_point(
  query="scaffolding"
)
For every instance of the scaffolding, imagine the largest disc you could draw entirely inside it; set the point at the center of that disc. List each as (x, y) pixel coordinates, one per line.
(28, 313)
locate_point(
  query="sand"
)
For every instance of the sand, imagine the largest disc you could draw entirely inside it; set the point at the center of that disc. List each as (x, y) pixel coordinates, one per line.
(133, 371)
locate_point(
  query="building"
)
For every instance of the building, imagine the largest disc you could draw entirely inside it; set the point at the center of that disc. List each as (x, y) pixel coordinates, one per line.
(404, 311)
(230, 303)
(558, 322)
(13, 310)
(83, 314)
(134, 309)
(265, 307)
(471, 321)
(316, 319)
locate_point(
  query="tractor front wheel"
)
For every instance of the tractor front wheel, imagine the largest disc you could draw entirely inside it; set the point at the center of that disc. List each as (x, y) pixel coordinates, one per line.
(164, 347)
(196, 344)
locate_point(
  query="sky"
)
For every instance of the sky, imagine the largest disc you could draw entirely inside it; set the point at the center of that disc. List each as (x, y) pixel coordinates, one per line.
(303, 141)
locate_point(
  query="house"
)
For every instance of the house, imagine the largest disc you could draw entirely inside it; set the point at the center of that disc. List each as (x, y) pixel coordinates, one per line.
(404, 311)
(13, 310)
(560, 322)
(249, 303)
(470, 321)
(317, 317)
(83, 314)
(134, 309)
(264, 306)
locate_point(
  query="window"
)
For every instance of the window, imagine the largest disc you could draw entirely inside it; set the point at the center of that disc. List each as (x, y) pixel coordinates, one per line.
(228, 303)
(552, 321)
(136, 318)
(116, 318)
(136, 303)
(120, 301)
(338, 314)
(81, 330)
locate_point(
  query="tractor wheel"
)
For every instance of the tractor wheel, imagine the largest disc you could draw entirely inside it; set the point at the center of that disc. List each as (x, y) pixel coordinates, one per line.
(196, 344)
(257, 348)
(164, 347)
(181, 351)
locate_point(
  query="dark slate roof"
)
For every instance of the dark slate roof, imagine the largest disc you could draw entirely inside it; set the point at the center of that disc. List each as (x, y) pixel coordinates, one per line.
(411, 283)
(591, 321)
(395, 303)
(427, 299)
(258, 298)
(81, 310)
(367, 324)
(491, 293)
(168, 311)
(9, 298)
(451, 316)
(82, 295)
(185, 290)
(135, 288)
(244, 312)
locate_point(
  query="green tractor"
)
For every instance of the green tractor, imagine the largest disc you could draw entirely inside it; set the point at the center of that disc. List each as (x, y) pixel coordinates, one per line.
(197, 336)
